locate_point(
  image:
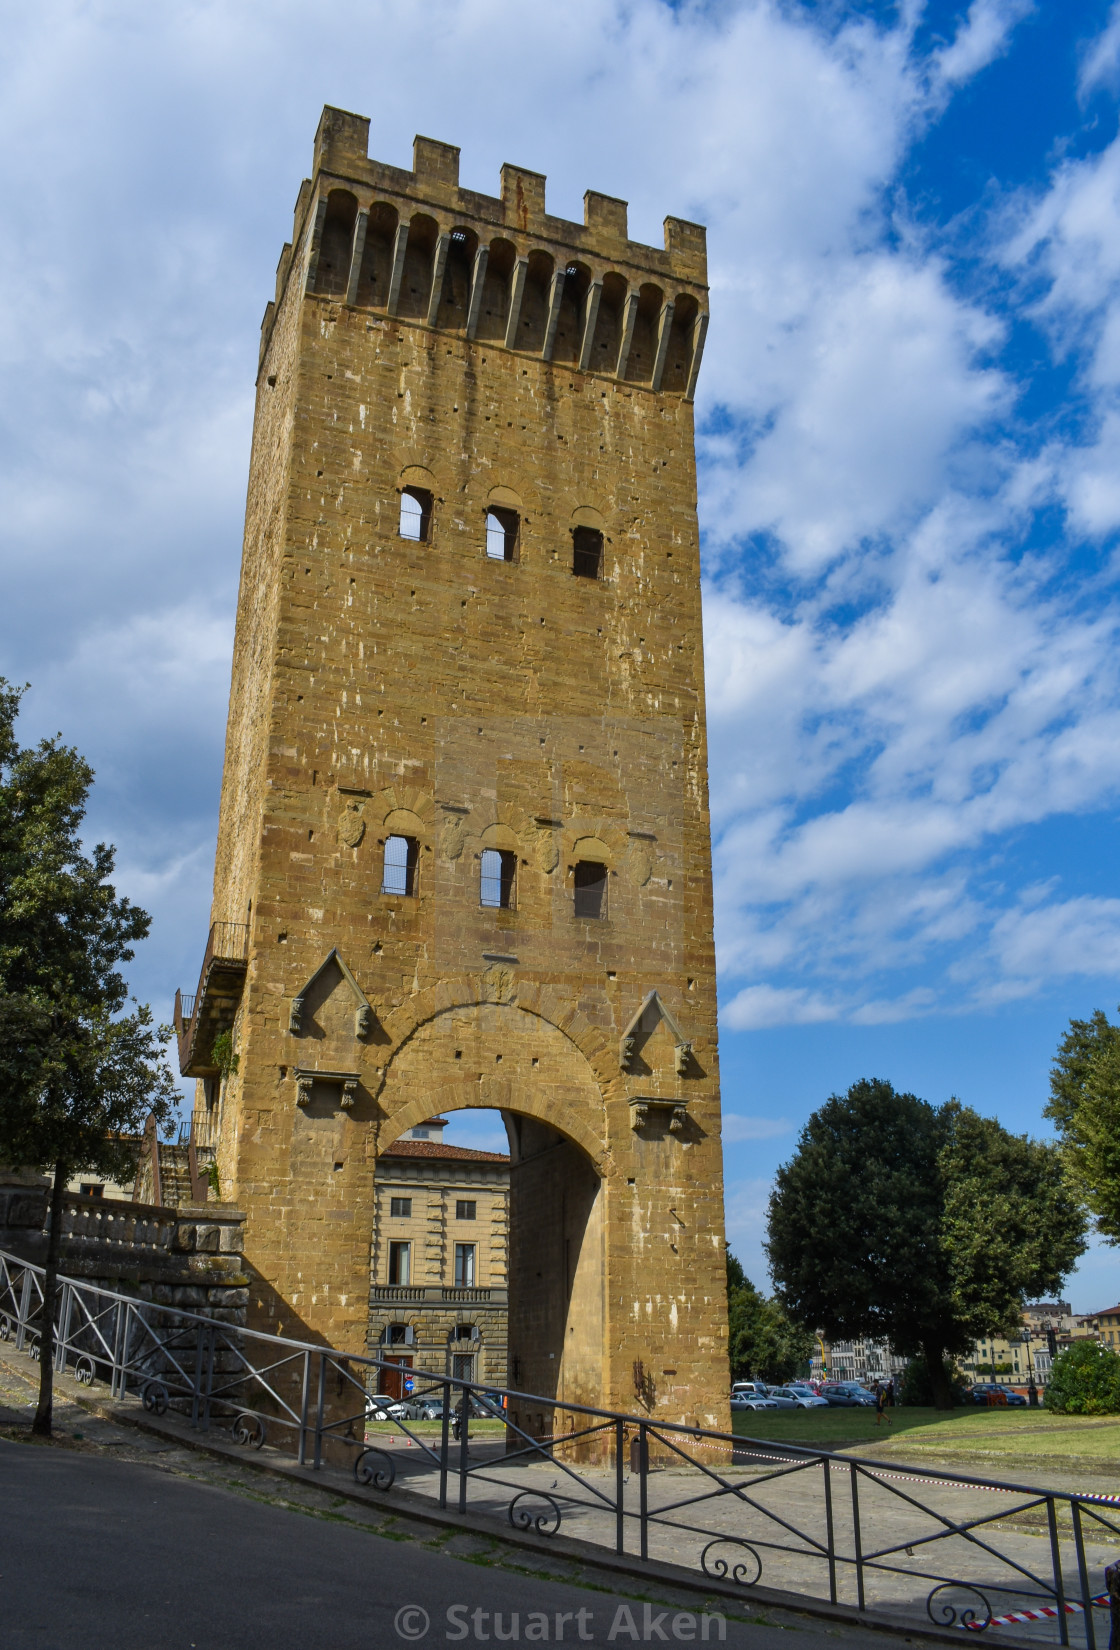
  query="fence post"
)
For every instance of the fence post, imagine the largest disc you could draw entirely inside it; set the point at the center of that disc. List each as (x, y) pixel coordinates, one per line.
(854, 1470)
(319, 1409)
(196, 1385)
(643, 1486)
(830, 1531)
(24, 1310)
(62, 1339)
(445, 1436)
(619, 1487)
(211, 1335)
(464, 1431)
(1083, 1576)
(304, 1400)
(117, 1384)
(1056, 1562)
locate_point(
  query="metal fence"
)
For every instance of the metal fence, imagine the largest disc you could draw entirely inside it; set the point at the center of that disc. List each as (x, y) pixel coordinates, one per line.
(962, 1551)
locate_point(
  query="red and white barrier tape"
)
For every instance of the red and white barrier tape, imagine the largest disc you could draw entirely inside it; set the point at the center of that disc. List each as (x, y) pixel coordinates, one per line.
(1045, 1612)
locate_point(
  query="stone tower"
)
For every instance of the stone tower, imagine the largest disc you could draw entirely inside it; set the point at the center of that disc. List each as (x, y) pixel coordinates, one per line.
(463, 854)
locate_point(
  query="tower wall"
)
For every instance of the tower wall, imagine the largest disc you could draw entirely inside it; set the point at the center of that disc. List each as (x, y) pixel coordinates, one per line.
(488, 355)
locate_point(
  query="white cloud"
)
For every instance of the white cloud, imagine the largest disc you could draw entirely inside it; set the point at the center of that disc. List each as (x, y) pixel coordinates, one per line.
(738, 1127)
(897, 696)
(1102, 61)
(757, 1006)
(983, 36)
(882, 378)
(1063, 937)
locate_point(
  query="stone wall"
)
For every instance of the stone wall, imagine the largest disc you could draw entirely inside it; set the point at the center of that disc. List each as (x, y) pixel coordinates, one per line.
(185, 1257)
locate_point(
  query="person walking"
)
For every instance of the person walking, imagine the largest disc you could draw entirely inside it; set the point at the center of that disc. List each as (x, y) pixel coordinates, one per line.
(881, 1405)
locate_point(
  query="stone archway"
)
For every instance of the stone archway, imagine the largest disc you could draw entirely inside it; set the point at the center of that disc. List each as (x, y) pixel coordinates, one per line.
(497, 1055)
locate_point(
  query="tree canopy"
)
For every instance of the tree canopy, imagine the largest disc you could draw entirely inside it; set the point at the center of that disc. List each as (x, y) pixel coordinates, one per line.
(78, 1074)
(919, 1225)
(763, 1342)
(1085, 1106)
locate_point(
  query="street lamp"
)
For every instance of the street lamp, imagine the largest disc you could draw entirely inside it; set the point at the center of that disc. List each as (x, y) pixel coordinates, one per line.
(1032, 1390)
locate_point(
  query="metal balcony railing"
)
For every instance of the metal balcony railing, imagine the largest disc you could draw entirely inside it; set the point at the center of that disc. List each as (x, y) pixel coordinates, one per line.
(223, 968)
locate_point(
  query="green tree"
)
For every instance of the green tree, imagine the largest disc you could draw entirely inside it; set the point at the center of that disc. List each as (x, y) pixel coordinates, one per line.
(916, 1386)
(78, 1076)
(1085, 1106)
(1085, 1380)
(919, 1225)
(763, 1342)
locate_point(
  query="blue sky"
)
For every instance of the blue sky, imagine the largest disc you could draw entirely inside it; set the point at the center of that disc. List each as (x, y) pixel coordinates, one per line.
(909, 441)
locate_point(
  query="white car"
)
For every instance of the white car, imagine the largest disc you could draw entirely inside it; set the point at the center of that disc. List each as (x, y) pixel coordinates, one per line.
(379, 1408)
(750, 1389)
(797, 1397)
(750, 1400)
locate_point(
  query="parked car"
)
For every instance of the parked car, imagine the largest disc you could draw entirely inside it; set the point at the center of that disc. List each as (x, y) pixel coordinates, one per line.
(380, 1408)
(797, 1397)
(429, 1409)
(750, 1400)
(848, 1395)
(750, 1389)
(990, 1392)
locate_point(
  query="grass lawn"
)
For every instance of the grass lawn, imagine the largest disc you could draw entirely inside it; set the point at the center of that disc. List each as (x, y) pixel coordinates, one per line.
(1018, 1433)
(428, 1429)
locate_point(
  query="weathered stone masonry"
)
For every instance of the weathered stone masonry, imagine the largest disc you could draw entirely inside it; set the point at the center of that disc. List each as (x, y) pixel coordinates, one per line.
(487, 356)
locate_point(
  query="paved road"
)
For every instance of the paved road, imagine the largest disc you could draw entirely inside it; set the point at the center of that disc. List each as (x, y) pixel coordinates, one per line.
(102, 1554)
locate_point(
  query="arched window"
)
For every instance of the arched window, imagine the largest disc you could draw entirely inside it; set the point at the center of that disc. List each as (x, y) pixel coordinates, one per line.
(587, 552)
(496, 882)
(591, 889)
(416, 513)
(398, 874)
(501, 534)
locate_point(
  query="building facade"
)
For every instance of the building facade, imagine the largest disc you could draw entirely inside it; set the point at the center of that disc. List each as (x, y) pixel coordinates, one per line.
(439, 1273)
(865, 1361)
(463, 850)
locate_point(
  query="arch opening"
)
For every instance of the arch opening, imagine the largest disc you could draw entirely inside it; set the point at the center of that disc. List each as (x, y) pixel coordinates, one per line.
(377, 256)
(455, 294)
(496, 291)
(416, 281)
(336, 246)
(532, 324)
(505, 1207)
(643, 345)
(679, 357)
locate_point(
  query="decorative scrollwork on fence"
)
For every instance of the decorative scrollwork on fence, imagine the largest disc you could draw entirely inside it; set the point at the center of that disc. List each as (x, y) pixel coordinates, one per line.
(154, 1398)
(5, 1329)
(248, 1430)
(83, 1370)
(947, 1615)
(34, 1352)
(541, 1522)
(725, 1569)
(367, 1472)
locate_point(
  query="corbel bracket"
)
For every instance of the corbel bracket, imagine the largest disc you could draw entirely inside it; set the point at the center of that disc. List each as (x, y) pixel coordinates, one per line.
(642, 1104)
(363, 1010)
(653, 1006)
(347, 1082)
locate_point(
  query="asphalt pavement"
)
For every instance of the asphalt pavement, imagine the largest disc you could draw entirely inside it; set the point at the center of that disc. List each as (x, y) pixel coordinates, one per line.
(103, 1554)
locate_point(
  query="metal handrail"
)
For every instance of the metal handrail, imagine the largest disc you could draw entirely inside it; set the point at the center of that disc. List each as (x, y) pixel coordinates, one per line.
(743, 1503)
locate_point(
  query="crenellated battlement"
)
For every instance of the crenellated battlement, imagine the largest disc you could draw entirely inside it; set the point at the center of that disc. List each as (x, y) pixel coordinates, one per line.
(500, 269)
